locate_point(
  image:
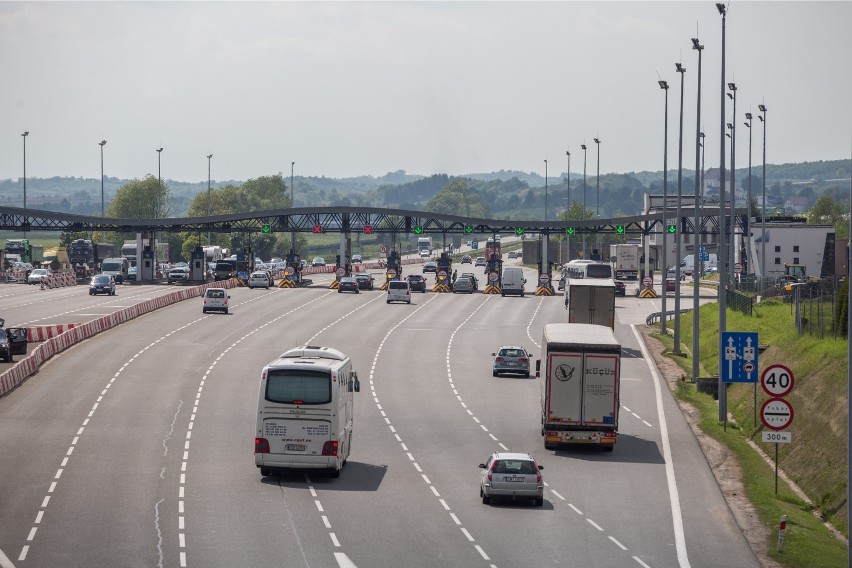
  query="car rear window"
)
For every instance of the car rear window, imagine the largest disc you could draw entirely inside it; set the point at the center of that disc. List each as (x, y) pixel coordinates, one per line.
(215, 293)
(511, 353)
(513, 466)
(397, 285)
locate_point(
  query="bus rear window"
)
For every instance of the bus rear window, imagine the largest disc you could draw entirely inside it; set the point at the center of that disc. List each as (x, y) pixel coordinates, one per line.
(292, 386)
(599, 271)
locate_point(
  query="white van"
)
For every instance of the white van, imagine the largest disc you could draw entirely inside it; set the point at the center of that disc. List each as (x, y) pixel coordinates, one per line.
(513, 281)
(304, 411)
(116, 267)
(399, 291)
(687, 265)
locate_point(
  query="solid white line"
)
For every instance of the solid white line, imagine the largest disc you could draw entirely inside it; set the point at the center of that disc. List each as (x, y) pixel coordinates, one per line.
(674, 499)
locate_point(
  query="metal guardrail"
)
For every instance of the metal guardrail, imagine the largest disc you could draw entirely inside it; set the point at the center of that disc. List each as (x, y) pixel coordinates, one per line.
(655, 317)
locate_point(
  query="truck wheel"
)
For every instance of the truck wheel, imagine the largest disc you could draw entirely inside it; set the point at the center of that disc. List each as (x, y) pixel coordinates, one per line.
(334, 473)
(266, 471)
(539, 501)
(550, 447)
(608, 448)
(486, 499)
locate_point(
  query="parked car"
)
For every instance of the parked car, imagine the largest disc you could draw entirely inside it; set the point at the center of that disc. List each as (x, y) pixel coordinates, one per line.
(513, 476)
(102, 284)
(37, 274)
(13, 341)
(430, 266)
(480, 261)
(365, 281)
(416, 282)
(620, 288)
(259, 279)
(511, 359)
(466, 259)
(318, 261)
(215, 299)
(348, 284)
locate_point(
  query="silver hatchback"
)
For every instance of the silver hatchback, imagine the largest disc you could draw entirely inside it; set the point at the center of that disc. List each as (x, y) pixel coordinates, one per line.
(511, 359)
(511, 475)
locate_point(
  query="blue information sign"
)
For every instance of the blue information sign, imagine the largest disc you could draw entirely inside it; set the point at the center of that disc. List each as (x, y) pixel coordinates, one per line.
(738, 359)
(704, 256)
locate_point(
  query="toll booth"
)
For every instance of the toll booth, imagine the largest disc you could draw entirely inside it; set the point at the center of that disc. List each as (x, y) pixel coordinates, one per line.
(147, 271)
(197, 270)
(393, 271)
(293, 271)
(245, 264)
(442, 277)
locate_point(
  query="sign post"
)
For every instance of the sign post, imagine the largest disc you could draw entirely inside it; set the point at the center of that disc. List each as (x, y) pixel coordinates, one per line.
(776, 413)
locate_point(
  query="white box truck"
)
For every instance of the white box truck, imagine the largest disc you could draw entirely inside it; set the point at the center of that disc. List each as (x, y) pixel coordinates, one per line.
(580, 386)
(591, 300)
(625, 260)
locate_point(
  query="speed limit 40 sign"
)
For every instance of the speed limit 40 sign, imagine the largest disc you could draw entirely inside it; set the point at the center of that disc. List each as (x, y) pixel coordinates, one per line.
(777, 380)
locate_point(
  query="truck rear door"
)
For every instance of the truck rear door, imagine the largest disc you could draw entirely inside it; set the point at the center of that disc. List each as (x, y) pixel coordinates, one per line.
(564, 388)
(601, 374)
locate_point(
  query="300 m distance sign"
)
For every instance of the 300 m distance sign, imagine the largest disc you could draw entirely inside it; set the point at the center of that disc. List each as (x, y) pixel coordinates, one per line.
(777, 380)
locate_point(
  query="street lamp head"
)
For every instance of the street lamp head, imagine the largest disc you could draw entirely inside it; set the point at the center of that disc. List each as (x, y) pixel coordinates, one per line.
(209, 156)
(680, 68)
(732, 86)
(730, 96)
(748, 124)
(159, 150)
(721, 8)
(701, 134)
(696, 45)
(597, 141)
(762, 108)
(583, 146)
(663, 84)
(27, 133)
(748, 116)
(761, 118)
(567, 153)
(102, 143)
(730, 126)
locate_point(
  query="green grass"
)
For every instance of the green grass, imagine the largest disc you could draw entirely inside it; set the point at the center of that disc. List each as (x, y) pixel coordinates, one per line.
(815, 460)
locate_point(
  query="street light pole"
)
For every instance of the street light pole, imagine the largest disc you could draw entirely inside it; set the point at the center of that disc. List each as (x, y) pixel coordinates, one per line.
(598, 194)
(696, 241)
(545, 264)
(722, 257)
(733, 126)
(159, 184)
(24, 135)
(568, 209)
(102, 143)
(763, 212)
(750, 265)
(209, 198)
(583, 146)
(292, 204)
(682, 70)
(665, 87)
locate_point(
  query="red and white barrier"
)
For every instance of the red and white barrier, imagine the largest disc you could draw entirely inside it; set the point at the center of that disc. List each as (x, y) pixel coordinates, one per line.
(45, 332)
(74, 333)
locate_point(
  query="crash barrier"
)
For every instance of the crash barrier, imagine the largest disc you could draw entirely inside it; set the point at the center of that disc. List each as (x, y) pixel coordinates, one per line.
(11, 276)
(74, 333)
(45, 332)
(60, 280)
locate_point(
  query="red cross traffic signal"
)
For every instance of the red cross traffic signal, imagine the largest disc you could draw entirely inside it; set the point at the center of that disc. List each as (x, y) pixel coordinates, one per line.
(368, 229)
(317, 228)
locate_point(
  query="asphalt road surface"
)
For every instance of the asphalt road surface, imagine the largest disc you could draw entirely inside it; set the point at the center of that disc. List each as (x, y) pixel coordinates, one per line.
(134, 448)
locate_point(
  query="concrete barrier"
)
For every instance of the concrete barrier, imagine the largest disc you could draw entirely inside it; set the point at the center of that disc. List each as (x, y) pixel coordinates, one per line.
(13, 377)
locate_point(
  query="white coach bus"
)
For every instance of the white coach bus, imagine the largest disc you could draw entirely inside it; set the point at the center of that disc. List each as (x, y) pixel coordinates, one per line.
(304, 411)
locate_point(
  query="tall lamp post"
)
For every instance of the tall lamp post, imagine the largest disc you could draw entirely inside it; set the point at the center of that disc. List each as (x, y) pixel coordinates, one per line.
(209, 198)
(102, 143)
(292, 204)
(696, 244)
(682, 70)
(723, 280)
(157, 208)
(568, 208)
(733, 126)
(665, 87)
(24, 135)
(749, 265)
(598, 195)
(583, 146)
(762, 118)
(545, 263)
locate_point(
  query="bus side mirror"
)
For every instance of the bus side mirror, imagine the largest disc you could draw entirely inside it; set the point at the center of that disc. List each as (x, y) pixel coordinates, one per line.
(537, 368)
(354, 383)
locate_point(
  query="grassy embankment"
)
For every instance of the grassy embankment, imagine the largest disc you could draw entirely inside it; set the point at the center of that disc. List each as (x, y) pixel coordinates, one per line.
(817, 457)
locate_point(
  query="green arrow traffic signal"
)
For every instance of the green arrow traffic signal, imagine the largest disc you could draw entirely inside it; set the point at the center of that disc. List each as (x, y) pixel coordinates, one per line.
(418, 230)
(569, 231)
(619, 229)
(265, 229)
(519, 231)
(672, 229)
(468, 229)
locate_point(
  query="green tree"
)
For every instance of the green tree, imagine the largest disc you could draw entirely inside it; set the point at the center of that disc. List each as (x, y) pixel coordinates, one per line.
(827, 211)
(456, 198)
(142, 199)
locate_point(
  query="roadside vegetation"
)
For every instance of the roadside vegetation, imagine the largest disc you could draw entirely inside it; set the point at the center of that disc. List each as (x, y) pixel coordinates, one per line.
(816, 460)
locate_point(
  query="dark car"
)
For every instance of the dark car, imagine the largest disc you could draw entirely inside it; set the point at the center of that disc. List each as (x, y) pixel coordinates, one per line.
(430, 266)
(620, 288)
(466, 259)
(13, 341)
(472, 278)
(348, 284)
(416, 282)
(365, 281)
(102, 284)
(463, 285)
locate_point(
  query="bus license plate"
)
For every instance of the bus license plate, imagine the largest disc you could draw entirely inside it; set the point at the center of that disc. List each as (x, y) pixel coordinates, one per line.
(295, 447)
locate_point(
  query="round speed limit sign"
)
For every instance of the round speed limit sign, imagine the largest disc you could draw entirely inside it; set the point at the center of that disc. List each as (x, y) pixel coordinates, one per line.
(777, 380)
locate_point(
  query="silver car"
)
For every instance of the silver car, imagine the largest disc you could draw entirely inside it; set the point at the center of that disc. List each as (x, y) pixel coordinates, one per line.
(511, 359)
(463, 285)
(511, 475)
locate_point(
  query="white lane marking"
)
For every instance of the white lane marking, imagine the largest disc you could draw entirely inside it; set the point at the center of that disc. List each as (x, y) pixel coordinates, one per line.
(482, 552)
(561, 498)
(576, 510)
(319, 506)
(467, 534)
(455, 518)
(325, 522)
(636, 558)
(334, 539)
(674, 498)
(618, 544)
(343, 561)
(648, 424)
(535, 313)
(594, 524)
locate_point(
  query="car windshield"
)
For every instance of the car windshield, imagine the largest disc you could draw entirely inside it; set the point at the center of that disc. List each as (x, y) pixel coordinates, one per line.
(101, 279)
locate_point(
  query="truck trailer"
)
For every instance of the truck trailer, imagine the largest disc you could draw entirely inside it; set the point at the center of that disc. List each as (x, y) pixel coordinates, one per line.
(591, 300)
(625, 260)
(581, 385)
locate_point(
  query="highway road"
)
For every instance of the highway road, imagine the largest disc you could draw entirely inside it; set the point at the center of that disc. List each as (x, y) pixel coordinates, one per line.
(134, 448)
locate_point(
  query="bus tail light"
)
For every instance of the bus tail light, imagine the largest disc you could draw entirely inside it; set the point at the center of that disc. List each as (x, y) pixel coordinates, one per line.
(261, 446)
(329, 448)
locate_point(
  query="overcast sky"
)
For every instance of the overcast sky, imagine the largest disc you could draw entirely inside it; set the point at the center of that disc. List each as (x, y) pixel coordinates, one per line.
(347, 88)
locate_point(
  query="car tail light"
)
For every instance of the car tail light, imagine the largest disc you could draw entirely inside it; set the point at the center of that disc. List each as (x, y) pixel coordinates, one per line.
(261, 446)
(329, 448)
(524, 360)
(498, 359)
